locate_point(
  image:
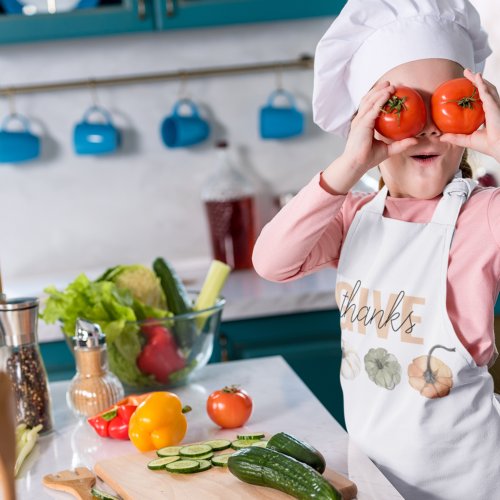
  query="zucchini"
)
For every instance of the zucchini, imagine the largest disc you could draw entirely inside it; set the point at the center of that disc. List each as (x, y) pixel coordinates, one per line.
(178, 302)
(295, 448)
(237, 444)
(265, 467)
(205, 456)
(260, 443)
(204, 465)
(251, 435)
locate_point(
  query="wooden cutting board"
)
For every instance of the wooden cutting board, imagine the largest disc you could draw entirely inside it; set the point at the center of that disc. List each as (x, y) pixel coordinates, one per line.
(129, 476)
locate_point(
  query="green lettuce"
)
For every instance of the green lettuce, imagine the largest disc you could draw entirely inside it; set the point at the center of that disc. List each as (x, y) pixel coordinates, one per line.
(114, 309)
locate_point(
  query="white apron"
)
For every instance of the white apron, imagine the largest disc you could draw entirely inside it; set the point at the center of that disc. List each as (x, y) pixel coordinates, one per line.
(434, 433)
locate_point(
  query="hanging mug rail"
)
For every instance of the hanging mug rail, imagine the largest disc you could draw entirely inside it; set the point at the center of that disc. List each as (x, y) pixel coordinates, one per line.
(303, 62)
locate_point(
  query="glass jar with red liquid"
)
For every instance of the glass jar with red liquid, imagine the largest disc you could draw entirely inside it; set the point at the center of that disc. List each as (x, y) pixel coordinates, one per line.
(229, 200)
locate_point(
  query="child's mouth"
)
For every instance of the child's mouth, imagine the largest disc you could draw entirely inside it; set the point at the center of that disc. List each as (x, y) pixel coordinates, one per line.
(425, 159)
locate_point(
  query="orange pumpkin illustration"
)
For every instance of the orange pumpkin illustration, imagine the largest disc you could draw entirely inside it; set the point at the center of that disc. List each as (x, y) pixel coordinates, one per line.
(430, 376)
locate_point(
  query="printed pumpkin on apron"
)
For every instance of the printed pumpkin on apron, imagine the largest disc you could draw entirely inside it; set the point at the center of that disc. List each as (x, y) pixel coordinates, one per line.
(413, 395)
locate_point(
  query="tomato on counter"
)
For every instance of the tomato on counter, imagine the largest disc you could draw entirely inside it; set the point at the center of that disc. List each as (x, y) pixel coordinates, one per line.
(229, 407)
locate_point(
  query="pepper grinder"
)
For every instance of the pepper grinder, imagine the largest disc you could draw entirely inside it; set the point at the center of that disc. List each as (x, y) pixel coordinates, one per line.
(22, 361)
(94, 388)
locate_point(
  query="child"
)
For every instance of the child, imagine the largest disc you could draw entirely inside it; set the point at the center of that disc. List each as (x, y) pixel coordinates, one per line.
(418, 263)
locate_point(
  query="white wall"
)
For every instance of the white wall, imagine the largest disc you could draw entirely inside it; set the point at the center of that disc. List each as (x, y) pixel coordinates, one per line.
(65, 213)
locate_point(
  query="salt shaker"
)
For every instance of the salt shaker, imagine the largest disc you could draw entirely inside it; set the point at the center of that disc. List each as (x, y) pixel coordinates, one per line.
(22, 361)
(94, 388)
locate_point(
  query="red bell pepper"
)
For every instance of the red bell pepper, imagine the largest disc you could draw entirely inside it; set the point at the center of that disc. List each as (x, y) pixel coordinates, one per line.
(114, 421)
(160, 356)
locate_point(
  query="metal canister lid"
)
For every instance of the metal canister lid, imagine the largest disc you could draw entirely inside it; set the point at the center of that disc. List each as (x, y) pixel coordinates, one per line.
(88, 334)
(18, 321)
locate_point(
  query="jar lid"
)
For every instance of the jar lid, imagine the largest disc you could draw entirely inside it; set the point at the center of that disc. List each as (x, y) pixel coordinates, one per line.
(18, 321)
(88, 334)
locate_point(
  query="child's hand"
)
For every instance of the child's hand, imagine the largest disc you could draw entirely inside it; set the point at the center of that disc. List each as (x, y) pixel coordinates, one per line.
(487, 139)
(362, 149)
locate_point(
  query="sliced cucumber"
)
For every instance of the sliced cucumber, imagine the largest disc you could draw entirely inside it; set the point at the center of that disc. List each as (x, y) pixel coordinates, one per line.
(195, 450)
(102, 495)
(251, 435)
(160, 463)
(204, 465)
(221, 460)
(183, 466)
(205, 456)
(260, 444)
(238, 444)
(169, 451)
(219, 444)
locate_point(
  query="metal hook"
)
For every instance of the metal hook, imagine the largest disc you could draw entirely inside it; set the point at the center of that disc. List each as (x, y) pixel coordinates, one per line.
(183, 94)
(11, 102)
(93, 92)
(279, 77)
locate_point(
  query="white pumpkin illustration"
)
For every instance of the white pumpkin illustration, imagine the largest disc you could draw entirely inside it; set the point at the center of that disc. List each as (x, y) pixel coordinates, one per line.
(351, 365)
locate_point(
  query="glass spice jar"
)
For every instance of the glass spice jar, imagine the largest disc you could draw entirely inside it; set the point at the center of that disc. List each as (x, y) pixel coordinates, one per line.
(22, 361)
(94, 388)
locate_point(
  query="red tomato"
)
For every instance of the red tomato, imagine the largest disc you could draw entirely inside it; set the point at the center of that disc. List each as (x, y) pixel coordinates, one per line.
(456, 107)
(403, 115)
(229, 407)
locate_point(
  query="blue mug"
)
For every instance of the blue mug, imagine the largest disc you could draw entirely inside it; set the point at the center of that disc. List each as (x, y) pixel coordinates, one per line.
(280, 122)
(178, 131)
(95, 138)
(17, 146)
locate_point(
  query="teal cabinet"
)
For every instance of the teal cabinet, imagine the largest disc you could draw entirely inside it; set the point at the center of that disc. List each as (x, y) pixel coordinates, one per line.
(105, 17)
(108, 17)
(172, 14)
(309, 342)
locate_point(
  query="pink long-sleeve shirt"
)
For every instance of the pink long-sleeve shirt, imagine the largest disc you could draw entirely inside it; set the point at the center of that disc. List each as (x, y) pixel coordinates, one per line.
(309, 231)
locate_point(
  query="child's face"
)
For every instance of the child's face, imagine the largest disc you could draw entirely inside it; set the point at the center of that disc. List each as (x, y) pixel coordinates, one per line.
(409, 177)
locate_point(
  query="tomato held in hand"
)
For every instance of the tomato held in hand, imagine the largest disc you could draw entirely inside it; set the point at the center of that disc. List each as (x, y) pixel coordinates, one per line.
(402, 116)
(456, 107)
(229, 407)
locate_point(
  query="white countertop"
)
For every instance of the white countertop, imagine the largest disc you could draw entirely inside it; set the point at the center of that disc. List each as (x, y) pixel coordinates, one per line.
(247, 295)
(281, 400)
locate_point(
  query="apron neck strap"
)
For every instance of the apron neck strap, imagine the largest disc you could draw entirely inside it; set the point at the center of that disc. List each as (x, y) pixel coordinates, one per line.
(455, 194)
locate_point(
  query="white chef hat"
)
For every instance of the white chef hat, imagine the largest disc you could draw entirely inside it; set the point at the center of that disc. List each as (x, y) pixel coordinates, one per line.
(370, 37)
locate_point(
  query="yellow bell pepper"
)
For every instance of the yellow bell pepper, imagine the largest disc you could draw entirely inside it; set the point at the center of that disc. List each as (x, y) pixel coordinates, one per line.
(158, 421)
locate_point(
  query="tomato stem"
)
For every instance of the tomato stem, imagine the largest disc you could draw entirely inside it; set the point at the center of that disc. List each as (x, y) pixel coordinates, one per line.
(396, 105)
(231, 389)
(466, 102)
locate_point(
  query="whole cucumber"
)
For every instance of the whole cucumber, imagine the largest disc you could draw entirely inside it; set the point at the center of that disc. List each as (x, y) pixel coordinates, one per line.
(264, 467)
(300, 450)
(178, 302)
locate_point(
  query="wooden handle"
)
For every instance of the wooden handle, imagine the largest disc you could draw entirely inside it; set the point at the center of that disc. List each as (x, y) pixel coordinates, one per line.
(8, 440)
(78, 482)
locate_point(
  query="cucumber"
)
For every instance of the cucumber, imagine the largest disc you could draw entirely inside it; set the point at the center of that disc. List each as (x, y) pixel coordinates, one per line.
(205, 456)
(204, 465)
(260, 444)
(218, 444)
(183, 466)
(295, 448)
(178, 302)
(251, 435)
(265, 467)
(169, 451)
(238, 444)
(195, 450)
(102, 495)
(159, 463)
(221, 460)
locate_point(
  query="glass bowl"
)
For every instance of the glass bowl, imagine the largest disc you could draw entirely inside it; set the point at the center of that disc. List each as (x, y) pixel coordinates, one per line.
(163, 353)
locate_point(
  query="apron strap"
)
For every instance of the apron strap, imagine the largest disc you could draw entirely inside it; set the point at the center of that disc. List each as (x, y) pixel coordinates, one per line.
(377, 203)
(455, 194)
